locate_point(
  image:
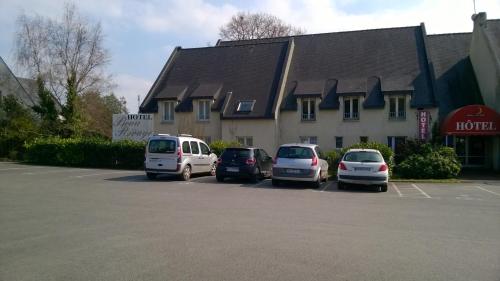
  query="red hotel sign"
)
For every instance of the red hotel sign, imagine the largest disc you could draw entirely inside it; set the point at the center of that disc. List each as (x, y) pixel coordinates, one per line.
(472, 120)
(423, 124)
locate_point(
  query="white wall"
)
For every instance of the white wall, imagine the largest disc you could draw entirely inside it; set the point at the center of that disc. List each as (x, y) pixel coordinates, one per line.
(373, 123)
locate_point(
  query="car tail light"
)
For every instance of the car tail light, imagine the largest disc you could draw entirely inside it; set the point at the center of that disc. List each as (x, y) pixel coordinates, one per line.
(382, 168)
(314, 161)
(179, 154)
(250, 161)
(219, 161)
(342, 166)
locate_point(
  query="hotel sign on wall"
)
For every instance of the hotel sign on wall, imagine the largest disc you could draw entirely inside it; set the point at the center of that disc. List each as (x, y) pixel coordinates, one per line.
(472, 120)
(423, 124)
(136, 127)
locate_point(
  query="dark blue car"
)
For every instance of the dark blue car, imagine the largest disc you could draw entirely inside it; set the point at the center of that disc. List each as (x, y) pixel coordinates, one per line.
(248, 162)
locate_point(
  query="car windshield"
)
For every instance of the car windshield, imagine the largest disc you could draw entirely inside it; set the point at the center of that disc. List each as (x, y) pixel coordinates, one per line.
(162, 146)
(363, 156)
(295, 152)
(235, 153)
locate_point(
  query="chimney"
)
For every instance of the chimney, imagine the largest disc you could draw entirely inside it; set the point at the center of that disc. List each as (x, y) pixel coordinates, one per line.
(479, 19)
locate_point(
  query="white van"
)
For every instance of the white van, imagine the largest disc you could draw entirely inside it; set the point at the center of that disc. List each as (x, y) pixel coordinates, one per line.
(180, 155)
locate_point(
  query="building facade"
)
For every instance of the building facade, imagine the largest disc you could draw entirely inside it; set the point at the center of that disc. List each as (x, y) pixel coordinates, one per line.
(333, 89)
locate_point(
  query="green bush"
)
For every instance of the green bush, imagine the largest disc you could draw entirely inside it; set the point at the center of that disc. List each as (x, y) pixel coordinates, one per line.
(437, 162)
(219, 145)
(386, 151)
(92, 152)
(333, 158)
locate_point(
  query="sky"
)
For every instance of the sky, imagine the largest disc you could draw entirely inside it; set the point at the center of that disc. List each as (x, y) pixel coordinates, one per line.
(141, 34)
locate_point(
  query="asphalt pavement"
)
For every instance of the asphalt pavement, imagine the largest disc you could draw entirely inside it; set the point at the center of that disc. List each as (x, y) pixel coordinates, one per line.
(94, 224)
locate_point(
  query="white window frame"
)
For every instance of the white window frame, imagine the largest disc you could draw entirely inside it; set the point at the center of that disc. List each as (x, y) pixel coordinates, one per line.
(311, 103)
(245, 140)
(204, 110)
(349, 112)
(308, 139)
(169, 111)
(398, 114)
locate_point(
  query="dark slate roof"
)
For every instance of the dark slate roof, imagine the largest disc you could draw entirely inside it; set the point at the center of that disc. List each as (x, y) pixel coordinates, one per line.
(493, 33)
(309, 88)
(229, 74)
(174, 92)
(211, 90)
(396, 55)
(455, 81)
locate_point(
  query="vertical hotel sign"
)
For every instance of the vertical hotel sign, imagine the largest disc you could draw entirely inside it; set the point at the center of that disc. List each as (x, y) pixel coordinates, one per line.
(423, 124)
(136, 127)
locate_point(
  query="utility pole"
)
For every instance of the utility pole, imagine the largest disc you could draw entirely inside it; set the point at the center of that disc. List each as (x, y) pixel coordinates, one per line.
(474, 1)
(138, 103)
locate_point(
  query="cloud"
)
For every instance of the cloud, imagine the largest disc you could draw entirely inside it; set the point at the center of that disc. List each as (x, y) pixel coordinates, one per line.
(130, 87)
(443, 16)
(196, 17)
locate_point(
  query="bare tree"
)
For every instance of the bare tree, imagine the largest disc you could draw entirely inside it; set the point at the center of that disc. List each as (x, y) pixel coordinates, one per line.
(67, 53)
(244, 26)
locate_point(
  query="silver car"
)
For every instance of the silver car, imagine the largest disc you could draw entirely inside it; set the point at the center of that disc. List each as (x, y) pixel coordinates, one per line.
(300, 162)
(180, 155)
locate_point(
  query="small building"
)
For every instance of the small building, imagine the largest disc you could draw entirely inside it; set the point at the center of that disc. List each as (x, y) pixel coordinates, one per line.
(333, 89)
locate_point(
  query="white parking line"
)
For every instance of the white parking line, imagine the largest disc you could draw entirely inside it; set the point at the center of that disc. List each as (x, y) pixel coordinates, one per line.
(484, 189)
(421, 191)
(327, 185)
(100, 174)
(397, 189)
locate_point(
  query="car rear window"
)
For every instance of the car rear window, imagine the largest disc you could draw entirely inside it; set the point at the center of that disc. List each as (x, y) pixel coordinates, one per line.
(295, 152)
(162, 146)
(363, 156)
(235, 153)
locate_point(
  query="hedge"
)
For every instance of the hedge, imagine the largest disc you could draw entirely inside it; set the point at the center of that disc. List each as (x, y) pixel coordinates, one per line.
(218, 146)
(89, 152)
(430, 163)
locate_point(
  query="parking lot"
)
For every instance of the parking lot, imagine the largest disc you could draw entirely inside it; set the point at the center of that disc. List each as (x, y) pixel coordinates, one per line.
(96, 224)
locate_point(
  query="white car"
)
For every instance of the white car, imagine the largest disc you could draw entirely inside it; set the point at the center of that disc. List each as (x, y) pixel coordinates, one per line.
(363, 166)
(180, 155)
(300, 162)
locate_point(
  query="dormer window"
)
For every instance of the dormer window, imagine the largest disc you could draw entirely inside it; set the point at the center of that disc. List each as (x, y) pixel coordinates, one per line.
(308, 110)
(397, 108)
(245, 106)
(204, 110)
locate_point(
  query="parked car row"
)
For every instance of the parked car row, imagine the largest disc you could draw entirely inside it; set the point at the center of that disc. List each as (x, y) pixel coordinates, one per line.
(184, 155)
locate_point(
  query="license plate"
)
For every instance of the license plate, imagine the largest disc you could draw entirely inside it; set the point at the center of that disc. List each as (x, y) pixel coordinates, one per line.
(362, 169)
(232, 169)
(292, 171)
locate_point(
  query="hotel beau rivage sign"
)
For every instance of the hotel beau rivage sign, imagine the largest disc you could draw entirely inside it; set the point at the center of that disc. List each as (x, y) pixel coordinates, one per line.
(136, 127)
(475, 120)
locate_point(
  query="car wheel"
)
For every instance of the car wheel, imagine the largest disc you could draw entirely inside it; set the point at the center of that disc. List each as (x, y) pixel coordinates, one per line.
(213, 167)
(151, 176)
(275, 182)
(383, 188)
(186, 173)
(219, 178)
